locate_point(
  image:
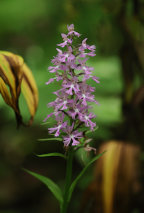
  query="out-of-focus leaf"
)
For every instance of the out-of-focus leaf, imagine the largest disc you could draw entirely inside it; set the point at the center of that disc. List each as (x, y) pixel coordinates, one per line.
(14, 73)
(53, 187)
(111, 158)
(115, 175)
(54, 154)
(81, 173)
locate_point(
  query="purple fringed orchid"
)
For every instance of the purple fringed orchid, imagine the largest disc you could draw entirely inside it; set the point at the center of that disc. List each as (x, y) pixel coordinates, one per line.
(71, 107)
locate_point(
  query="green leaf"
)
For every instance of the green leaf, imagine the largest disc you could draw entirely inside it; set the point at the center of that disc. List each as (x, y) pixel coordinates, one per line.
(81, 173)
(54, 154)
(53, 187)
(50, 139)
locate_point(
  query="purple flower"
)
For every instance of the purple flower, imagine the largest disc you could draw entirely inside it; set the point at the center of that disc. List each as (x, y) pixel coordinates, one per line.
(76, 109)
(71, 106)
(60, 125)
(71, 30)
(91, 54)
(95, 79)
(87, 120)
(55, 113)
(62, 101)
(54, 68)
(84, 47)
(66, 40)
(63, 57)
(71, 86)
(82, 66)
(72, 136)
(92, 48)
(50, 80)
(85, 94)
(87, 76)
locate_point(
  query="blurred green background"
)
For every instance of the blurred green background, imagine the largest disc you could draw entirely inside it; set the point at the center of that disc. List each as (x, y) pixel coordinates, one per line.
(32, 29)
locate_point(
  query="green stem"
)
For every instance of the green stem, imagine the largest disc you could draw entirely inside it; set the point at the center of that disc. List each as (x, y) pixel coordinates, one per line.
(67, 181)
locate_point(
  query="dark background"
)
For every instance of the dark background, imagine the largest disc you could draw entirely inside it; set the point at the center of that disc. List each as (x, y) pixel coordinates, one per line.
(32, 29)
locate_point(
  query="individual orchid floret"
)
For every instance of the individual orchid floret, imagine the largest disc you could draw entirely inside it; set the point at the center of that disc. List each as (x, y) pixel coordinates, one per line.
(55, 113)
(50, 80)
(87, 120)
(92, 47)
(76, 109)
(71, 30)
(92, 54)
(87, 76)
(62, 57)
(72, 136)
(53, 68)
(87, 147)
(72, 86)
(85, 94)
(60, 125)
(65, 39)
(82, 66)
(62, 101)
(85, 47)
(95, 79)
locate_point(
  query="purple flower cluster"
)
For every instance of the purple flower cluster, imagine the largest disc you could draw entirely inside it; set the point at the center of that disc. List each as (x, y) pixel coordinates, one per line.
(71, 108)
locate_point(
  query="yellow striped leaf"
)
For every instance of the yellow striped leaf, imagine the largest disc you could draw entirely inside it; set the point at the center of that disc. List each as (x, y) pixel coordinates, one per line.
(15, 74)
(29, 90)
(5, 92)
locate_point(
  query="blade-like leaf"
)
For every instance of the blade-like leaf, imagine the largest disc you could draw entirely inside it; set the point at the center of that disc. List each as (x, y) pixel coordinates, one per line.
(50, 139)
(53, 187)
(54, 154)
(81, 173)
(29, 91)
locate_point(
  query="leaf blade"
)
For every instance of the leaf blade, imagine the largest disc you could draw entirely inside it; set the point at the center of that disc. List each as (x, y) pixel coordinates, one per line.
(81, 173)
(54, 154)
(50, 139)
(53, 187)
